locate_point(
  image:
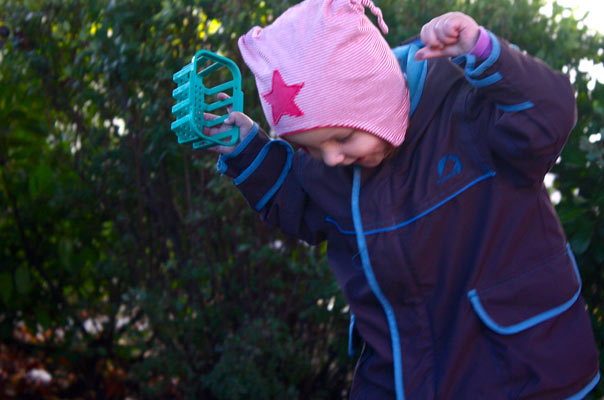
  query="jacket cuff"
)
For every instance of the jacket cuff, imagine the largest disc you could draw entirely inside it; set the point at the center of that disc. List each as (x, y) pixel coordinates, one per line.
(484, 45)
(258, 166)
(476, 72)
(239, 156)
(498, 74)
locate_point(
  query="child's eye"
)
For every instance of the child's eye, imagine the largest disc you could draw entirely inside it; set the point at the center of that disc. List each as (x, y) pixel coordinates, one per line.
(344, 139)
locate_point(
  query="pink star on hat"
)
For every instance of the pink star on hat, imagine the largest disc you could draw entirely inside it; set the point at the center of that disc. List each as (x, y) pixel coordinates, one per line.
(281, 98)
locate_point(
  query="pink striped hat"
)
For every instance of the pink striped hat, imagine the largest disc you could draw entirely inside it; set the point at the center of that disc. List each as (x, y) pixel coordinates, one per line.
(323, 63)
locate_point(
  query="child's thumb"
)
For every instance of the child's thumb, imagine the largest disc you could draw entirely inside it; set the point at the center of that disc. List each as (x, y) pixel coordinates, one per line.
(233, 118)
(426, 53)
(419, 56)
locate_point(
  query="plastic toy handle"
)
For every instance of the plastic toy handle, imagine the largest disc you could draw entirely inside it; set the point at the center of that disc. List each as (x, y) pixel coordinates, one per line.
(191, 95)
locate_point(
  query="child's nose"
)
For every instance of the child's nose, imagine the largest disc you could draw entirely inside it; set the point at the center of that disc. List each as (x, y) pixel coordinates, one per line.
(332, 157)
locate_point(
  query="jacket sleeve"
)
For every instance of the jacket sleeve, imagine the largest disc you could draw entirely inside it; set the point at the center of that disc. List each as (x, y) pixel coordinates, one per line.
(533, 108)
(263, 170)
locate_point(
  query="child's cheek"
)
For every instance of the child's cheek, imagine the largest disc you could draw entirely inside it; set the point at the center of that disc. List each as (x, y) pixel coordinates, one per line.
(304, 148)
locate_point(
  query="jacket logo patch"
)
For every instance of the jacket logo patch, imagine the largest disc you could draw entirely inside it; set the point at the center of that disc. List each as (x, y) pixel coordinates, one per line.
(448, 167)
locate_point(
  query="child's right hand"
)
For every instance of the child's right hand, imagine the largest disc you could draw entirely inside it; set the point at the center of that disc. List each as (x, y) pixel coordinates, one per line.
(236, 118)
(449, 35)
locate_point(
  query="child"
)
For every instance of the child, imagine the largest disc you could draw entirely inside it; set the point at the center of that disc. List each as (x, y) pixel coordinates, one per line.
(425, 175)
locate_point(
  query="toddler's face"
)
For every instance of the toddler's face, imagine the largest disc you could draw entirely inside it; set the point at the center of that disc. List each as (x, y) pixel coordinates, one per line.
(343, 146)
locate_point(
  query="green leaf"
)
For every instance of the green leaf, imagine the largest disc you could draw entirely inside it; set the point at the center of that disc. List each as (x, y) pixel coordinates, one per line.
(567, 214)
(66, 254)
(6, 286)
(43, 318)
(599, 254)
(580, 241)
(40, 180)
(22, 279)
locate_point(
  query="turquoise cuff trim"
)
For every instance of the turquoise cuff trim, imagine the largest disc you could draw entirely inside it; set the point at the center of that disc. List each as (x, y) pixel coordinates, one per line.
(516, 107)
(415, 71)
(288, 164)
(472, 71)
(491, 79)
(486, 64)
(535, 320)
(221, 164)
(420, 215)
(253, 166)
(590, 386)
(469, 59)
(351, 336)
(375, 288)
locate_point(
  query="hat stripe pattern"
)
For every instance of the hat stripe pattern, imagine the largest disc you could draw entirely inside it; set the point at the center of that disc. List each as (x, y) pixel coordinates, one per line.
(377, 12)
(346, 73)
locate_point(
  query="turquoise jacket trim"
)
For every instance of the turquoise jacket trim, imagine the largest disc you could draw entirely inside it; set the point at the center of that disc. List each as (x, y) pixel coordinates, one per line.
(420, 215)
(288, 164)
(253, 166)
(535, 320)
(259, 158)
(221, 164)
(472, 71)
(375, 288)
(491, 79)
(486, 64)
(246, 173)
(586, 389)
(415, 71)
(351, 336)
(516, 107)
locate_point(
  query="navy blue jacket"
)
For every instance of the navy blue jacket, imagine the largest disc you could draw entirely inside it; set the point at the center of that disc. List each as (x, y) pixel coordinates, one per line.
(450, 253)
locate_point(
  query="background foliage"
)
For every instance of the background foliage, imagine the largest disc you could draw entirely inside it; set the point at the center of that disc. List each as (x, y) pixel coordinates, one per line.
(129, 267)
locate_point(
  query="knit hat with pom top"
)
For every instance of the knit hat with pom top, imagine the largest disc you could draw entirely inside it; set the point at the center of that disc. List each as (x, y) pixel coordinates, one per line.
(323, 63)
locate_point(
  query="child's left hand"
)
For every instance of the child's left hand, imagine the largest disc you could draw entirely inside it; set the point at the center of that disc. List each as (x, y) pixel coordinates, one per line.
(450, 35)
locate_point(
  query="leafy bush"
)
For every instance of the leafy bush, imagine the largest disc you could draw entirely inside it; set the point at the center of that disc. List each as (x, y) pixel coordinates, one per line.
(130, 267)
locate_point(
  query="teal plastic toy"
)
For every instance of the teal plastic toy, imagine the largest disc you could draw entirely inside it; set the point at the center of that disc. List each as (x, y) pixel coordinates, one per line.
(191, 96)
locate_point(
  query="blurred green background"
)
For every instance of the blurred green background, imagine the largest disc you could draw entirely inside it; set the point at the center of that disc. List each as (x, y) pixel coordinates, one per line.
(130, 269)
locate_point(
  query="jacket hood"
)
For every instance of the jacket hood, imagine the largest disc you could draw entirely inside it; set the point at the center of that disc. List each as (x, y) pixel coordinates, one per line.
(429, 82)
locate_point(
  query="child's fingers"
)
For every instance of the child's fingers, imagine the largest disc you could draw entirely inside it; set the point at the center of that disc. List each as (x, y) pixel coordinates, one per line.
(242, 121)
(221, 149)
(234, 118)
(428, 35)
(428, 52)
(439, 33)
(448, 26)
(214, 130)
(209, 117)
(224, 96)
(207, 130)
(449, 35)
(463, 28)
(446, 40)
(446, 32)
(239, 119)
